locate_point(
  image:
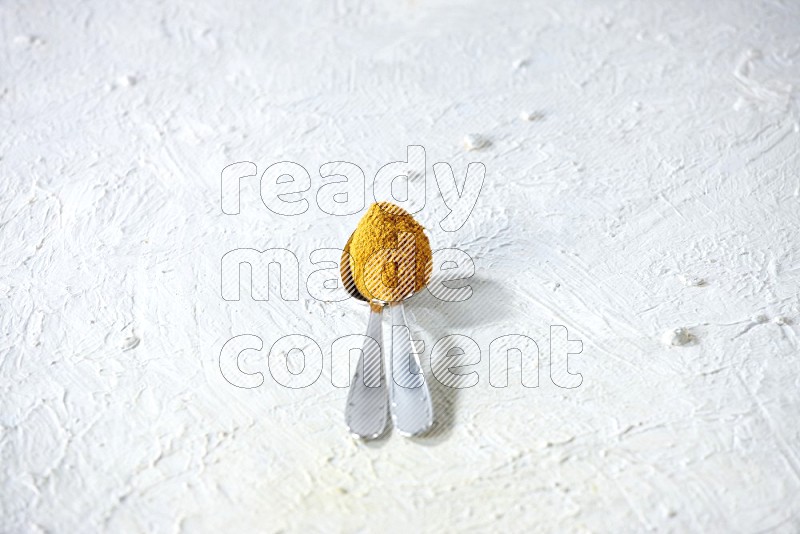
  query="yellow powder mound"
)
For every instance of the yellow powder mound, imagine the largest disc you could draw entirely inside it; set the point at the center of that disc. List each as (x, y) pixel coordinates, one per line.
(390, 256)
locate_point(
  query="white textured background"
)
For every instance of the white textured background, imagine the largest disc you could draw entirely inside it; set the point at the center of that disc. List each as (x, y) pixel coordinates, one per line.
(665, 144)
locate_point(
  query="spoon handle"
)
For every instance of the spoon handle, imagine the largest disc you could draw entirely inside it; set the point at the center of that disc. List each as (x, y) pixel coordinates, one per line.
(412, 412)
(367, 401)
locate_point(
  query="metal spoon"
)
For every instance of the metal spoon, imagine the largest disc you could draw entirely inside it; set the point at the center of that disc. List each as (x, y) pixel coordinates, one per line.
(367, 401)
(409, 396)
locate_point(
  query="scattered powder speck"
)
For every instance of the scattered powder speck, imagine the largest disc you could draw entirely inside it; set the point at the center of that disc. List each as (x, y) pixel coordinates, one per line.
(520, 63)
(691, 281)
(28, 40)
(475, 142)
(760, 318)
(126, 81)
(677, 337)
(530, 116)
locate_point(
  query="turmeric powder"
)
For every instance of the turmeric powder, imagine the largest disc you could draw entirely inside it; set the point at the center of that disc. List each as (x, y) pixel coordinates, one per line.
(390, 256)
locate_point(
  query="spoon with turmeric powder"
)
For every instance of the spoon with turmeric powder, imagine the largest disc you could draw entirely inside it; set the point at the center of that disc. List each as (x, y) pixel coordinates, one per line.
(389, 260)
